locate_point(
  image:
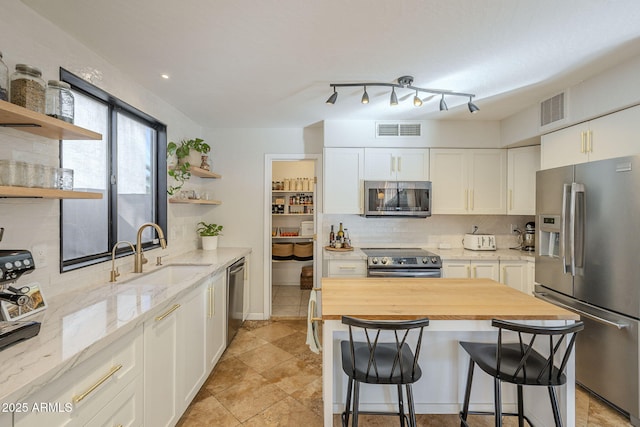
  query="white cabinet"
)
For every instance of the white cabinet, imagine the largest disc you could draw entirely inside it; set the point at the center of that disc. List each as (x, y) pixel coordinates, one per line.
(522, 164)
(466, 269)
(396, 164)
(216, 316)
(469, 181)
(161, 368)
(346, 268)
(515, 275)
(613, 135)
(96, 386)
(343, 175)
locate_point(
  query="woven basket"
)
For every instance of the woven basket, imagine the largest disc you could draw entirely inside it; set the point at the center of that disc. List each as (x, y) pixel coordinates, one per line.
(303, 251)
(282, 251)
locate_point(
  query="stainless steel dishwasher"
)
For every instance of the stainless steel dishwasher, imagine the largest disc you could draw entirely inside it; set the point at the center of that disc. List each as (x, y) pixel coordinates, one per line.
(235, 298)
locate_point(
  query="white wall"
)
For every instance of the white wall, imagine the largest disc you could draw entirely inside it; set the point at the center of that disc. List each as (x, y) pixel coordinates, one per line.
(242, 188)
(27, 38)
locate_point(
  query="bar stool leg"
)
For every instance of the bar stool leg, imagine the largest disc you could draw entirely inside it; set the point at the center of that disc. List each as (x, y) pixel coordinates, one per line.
(554, 406)
(497, 401)
(356, 403)
(412, 409)
(400, 405)
(467, 395)
(347, 409)
(520, 408)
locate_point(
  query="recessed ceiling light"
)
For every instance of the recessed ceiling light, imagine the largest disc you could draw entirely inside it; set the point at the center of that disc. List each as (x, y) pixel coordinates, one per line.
(164, 76)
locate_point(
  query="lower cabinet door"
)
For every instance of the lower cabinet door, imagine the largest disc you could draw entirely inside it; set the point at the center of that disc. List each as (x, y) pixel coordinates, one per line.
(456, 269)
(124, 410)
(485, 270)
(216, 320)
(514, 275)
(160, 368)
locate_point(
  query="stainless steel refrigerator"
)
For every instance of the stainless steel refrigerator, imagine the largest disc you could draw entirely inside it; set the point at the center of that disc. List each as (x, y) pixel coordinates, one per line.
(588, 260)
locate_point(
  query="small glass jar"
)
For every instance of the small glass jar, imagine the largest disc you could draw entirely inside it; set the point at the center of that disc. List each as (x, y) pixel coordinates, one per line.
(28, 88)
(65, 179)
(59, 101)
(12, 173)
(4, 80)
(34, 175)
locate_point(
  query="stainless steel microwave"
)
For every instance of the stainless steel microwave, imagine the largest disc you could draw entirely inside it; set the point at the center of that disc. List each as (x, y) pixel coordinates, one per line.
(397, 198)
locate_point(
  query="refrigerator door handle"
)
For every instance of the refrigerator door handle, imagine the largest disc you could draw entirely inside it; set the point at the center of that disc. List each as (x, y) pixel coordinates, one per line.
(545, 297)
(576, 225)
(566, 195)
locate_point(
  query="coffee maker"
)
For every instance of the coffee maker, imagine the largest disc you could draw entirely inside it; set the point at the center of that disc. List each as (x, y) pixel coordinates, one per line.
(13, 264)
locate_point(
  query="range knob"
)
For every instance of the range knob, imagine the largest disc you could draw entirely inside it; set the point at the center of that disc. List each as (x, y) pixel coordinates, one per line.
(374, 261)
(434, 259)
(425, 260)
(385, 260)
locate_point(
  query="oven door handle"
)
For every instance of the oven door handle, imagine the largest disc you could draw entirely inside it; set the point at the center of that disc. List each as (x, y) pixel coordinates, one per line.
(404, 273)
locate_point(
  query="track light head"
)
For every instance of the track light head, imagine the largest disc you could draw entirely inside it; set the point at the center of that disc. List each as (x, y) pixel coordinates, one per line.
(365, 96)
(394, 98)
(333, 97)
(443, 104)
(473, 108)
(417, 102)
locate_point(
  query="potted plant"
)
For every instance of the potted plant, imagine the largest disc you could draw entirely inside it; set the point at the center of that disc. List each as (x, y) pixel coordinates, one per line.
(180, 172)
(209, 234)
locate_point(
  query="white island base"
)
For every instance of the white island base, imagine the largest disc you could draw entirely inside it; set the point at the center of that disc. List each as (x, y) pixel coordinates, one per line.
(444, 365)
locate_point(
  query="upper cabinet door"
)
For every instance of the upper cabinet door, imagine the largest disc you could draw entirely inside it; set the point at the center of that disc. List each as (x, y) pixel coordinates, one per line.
(487, 182)
(565, 147)
(449, 178)
(522, 164)
(343, 176)
(615, 135)
(399, 164)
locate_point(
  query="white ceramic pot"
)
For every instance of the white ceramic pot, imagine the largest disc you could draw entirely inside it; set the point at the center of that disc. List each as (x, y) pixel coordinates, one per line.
(209, 243)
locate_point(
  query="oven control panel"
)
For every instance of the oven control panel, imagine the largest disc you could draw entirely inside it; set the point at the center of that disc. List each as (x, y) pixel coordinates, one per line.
(433, 261)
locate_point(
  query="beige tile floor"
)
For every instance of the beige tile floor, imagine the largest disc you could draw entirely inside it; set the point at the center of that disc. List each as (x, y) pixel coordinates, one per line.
(268, 377)
(289, 301)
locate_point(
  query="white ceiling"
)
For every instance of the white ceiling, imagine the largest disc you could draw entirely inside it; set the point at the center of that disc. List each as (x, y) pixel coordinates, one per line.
(268, 63)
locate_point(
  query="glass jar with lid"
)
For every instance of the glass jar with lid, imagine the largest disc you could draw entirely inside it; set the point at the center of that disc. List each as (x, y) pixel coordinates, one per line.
(4, 80)
(59, 101)
(28, 88)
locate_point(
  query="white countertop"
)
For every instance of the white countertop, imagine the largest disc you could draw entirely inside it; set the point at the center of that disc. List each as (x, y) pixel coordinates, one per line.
(445, 254)
(78, 324)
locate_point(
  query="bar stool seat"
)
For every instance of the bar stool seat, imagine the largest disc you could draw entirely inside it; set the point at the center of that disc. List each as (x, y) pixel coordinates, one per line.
(518, 363)
(374, 362)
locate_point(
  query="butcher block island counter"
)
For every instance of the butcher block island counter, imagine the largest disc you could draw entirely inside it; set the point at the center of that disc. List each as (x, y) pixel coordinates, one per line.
(459, 310)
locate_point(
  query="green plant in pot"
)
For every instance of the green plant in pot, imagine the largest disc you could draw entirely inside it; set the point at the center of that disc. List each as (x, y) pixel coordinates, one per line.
(180, 172)
(209, 234)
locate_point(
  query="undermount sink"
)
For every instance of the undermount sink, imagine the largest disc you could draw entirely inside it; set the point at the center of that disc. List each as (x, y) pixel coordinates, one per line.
(170, 274)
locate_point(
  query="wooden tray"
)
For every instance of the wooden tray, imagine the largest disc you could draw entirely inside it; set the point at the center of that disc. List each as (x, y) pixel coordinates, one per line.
(329, 248)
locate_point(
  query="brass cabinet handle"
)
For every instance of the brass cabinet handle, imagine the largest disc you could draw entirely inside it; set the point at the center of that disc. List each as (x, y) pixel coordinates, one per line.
(211, 313)
(590, 142)
(79, 398)
(582, 144)
(171, 310)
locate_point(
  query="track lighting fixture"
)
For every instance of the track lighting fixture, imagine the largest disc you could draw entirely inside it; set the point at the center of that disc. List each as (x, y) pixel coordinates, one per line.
(443, 104)
(394, 98)
(333, 97)
(365, 96)
(473, 108)
(417, 101)
(404, 82)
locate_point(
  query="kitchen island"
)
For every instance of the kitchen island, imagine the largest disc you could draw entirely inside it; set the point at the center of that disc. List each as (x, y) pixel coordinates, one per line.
(458, 309)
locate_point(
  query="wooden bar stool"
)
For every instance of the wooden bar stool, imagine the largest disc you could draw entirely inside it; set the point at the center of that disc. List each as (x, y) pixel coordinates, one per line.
(374, 362)
(518, 363)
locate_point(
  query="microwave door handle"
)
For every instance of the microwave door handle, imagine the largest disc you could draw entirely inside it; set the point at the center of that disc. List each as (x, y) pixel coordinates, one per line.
(566, 190)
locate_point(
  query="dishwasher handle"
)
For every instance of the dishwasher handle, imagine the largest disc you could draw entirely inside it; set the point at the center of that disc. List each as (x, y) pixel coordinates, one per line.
(237, 267)
(545, 297)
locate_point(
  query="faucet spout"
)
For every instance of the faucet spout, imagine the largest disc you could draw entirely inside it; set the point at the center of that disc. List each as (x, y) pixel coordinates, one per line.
(140, 259)
(114, 270)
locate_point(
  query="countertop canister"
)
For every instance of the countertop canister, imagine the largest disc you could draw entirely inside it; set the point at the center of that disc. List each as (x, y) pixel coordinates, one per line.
(4, 80)
(60, 102)
(28, 88)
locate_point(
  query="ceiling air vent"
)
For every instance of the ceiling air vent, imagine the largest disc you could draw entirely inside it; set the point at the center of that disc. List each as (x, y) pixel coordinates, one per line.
(398, 129)
(552, 110)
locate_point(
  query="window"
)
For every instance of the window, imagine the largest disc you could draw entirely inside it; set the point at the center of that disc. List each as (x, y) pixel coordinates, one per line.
(126, 166)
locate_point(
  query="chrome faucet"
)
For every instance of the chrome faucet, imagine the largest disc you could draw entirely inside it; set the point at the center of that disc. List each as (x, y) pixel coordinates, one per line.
(114, 270)
(140, 259)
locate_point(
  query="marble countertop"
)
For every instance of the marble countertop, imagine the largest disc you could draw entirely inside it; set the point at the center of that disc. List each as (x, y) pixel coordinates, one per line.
(78, 324)
(445, 254)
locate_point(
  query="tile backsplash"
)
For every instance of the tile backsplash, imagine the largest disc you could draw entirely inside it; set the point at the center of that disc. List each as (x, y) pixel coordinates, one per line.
(431, 232)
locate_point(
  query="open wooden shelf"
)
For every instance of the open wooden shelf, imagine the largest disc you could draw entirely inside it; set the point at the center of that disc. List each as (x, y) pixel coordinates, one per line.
(47, 193)
(196, 201)
(20, 118)
(203, 173)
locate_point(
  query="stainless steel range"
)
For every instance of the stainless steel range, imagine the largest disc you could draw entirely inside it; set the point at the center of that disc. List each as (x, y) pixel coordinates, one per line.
(402, 262)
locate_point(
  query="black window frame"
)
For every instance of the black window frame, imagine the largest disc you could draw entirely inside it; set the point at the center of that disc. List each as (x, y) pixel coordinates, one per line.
(115, 106)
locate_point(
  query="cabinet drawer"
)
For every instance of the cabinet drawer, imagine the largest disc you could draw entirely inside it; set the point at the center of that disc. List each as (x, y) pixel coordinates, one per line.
(338, 268)
(81, 392)
(126, 409)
